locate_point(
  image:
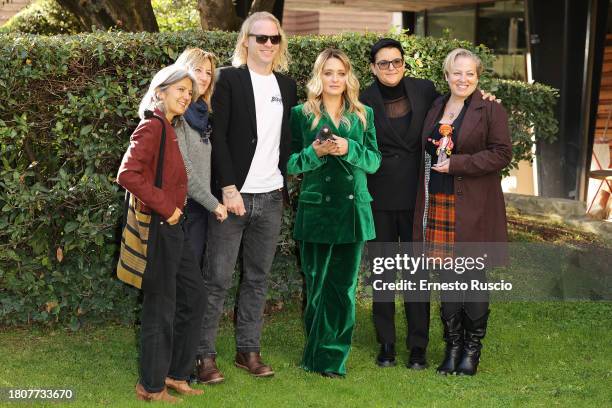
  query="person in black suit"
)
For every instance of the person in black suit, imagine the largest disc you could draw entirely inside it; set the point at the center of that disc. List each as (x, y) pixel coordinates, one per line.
(251, 142)
(400, 105)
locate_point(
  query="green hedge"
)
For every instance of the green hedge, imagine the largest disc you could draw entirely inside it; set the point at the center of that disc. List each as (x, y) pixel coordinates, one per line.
(67, 107)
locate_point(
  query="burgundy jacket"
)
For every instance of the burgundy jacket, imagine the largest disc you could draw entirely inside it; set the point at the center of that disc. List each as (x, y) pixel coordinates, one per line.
(482, 150)
(137, 170)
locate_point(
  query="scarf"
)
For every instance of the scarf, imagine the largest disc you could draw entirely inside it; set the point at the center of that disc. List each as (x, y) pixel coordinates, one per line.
(197, 116)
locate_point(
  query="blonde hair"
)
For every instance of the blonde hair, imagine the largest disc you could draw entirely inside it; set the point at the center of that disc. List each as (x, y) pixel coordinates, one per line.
(191, 58)
(281, 60)
(461, 52)
(161, 81)
(350, 96)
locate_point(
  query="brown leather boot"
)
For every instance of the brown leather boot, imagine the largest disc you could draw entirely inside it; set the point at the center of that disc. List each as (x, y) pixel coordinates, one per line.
(252, 363)
(182, 387)
(144, 395)
(207, 371)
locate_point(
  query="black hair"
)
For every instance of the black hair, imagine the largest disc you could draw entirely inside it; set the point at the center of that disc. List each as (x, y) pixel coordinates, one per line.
(385, 43)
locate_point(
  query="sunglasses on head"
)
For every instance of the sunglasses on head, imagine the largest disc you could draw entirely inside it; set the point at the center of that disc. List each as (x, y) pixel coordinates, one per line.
(262, 39)
(397, 63)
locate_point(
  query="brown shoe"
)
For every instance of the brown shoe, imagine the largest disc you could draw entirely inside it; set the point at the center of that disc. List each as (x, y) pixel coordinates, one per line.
(252, 363)
(144, 395)
(207, 371)
(182, 387)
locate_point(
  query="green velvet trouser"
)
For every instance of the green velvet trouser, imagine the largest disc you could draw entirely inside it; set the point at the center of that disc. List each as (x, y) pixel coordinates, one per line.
(330, 272)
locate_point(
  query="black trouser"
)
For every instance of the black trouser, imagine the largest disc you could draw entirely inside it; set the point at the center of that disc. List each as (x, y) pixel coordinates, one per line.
(172, 314)
(196, 226)
(396, 226)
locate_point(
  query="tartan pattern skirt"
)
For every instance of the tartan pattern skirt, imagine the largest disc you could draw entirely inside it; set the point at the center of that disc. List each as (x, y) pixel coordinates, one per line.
(440, 228)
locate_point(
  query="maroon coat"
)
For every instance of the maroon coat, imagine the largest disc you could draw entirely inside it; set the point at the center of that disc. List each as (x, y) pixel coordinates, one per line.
(139, 164)
(482, 150)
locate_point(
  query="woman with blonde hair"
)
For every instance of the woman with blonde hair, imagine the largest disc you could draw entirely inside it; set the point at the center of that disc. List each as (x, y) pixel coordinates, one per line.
(333, 146)
(466, 144)
(193, 131)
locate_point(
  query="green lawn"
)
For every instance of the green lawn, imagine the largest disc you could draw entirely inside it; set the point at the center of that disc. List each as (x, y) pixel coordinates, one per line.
(535, 354)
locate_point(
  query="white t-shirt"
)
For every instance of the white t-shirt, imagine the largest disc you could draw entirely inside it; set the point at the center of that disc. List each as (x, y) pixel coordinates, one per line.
(264, 174)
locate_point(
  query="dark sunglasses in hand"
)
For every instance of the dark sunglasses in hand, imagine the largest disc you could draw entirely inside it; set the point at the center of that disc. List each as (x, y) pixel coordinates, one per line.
(262, 39)
(397, 63)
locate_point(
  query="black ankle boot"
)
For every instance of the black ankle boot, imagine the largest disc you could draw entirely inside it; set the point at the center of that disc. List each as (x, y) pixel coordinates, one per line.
(417, 359)
(386, 355)
(475, 331)
(453, 335)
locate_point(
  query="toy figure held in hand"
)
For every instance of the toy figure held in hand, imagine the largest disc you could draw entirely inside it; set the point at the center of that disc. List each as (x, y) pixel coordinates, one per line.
(445, 144)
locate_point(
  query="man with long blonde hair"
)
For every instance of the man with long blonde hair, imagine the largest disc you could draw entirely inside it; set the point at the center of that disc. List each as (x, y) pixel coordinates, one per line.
(251, 142)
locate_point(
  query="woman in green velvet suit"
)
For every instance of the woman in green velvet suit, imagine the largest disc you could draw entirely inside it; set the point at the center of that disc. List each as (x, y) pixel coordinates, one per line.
(334, 217)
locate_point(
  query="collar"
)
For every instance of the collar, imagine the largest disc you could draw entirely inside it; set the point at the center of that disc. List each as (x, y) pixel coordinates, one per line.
(391, 92)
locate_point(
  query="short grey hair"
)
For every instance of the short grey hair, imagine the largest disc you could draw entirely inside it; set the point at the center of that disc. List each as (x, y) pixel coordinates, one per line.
(161, 81)
(461, 52)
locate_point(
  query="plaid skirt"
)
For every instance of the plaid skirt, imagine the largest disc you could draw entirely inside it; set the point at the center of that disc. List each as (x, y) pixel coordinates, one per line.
(440, 228)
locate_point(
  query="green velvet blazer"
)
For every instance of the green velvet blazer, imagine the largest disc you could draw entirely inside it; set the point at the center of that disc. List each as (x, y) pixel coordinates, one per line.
(334, 202)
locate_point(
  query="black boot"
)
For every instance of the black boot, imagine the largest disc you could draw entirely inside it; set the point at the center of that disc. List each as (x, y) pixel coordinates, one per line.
(386, 355)
(453, 335)
(418, 359)
(475, 331)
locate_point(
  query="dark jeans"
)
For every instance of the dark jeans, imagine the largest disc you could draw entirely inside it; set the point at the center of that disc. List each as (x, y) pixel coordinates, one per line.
(171, 317)
(196, 225)
(396, 226)
(258, 230)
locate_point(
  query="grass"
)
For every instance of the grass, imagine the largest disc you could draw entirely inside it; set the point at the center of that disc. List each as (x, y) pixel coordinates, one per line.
(544, 354)
(536, 354)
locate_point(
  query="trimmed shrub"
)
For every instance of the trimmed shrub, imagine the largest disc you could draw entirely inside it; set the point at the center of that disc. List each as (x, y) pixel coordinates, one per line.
(45, 17)
(67, 108)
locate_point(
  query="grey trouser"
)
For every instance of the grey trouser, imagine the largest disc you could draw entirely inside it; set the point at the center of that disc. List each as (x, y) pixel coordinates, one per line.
(258, 230)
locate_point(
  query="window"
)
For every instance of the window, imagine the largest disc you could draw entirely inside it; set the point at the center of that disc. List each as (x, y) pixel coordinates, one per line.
(461, 23)
(499, 25)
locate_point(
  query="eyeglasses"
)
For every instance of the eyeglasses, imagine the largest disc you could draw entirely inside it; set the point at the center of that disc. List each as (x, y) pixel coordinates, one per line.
(262, 39)
(397, 63)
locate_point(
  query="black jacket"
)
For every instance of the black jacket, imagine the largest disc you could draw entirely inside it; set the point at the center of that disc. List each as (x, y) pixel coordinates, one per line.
(394, 185)
(234, 135)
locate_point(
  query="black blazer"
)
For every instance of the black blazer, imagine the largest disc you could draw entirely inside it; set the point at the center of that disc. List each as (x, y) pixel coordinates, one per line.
(234, 129)
(394, 185)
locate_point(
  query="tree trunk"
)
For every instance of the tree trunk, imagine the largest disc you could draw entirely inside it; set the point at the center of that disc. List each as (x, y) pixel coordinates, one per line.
(262, 5)
(128, 15)
(221, 14)
(218, 14)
